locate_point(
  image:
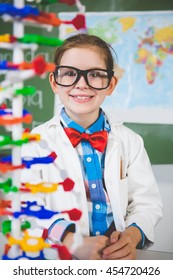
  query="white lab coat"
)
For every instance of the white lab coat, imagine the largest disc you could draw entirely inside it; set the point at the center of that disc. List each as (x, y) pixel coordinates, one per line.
(129, 180)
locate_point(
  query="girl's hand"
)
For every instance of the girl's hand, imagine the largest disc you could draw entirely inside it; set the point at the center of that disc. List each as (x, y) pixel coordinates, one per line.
(122, 245)
(91, 248)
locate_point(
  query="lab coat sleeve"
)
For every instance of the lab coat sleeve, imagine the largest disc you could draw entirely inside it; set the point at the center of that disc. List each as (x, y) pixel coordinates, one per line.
(35, 175)
(32, 174)
(144, 201)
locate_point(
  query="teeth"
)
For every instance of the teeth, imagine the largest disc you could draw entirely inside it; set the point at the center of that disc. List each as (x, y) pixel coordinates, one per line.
(82, 97)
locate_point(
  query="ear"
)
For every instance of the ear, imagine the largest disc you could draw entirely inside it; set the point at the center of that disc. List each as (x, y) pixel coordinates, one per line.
(54, 86)
(112, 85)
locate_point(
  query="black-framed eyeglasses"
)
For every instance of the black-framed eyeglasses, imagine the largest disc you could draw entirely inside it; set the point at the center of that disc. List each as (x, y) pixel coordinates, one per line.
(95, 78)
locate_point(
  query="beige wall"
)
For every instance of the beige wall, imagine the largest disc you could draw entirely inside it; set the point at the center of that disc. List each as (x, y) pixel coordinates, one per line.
(164, 230)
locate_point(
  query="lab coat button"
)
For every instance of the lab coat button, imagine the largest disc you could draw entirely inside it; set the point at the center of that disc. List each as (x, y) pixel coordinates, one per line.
(97, 206)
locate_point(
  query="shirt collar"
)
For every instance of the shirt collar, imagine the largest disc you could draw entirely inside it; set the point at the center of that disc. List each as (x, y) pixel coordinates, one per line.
(100, 124)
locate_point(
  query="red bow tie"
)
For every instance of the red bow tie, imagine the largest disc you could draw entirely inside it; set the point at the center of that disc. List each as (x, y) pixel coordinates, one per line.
(98, 140)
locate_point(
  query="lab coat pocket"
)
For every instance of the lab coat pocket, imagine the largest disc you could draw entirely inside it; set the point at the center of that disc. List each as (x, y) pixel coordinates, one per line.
(124, 195)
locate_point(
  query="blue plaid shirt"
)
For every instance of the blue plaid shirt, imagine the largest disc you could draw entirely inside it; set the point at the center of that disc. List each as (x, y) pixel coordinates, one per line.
(92, 166)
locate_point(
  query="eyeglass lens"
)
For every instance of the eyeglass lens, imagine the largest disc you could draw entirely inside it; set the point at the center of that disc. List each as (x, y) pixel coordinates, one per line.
(96, 78)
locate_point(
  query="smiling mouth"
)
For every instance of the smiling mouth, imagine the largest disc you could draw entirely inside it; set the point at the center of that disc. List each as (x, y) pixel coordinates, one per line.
(79, 97)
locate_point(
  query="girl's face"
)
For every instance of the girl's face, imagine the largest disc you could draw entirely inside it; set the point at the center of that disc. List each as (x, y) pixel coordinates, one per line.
(82, 102)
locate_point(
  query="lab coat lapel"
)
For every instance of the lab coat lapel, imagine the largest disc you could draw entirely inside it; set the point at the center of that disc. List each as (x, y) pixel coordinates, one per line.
(112, 177)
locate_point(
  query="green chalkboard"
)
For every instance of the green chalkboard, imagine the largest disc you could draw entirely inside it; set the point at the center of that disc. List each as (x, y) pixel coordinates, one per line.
(158, 139)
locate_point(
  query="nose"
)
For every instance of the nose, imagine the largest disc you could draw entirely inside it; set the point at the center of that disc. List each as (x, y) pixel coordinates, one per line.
(81, 83)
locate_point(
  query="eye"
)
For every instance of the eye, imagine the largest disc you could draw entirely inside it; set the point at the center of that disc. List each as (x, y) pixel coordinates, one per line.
(66, 72)
(98, 74)
(69, 73)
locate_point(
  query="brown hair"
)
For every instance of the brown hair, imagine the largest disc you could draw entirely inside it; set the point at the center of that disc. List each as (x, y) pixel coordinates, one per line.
(84, 40)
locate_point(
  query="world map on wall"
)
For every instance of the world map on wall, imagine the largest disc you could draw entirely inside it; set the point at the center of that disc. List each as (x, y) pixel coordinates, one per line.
(143, 42)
